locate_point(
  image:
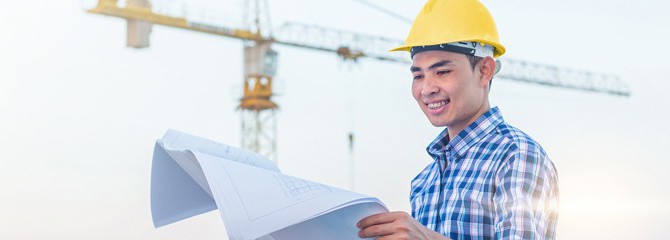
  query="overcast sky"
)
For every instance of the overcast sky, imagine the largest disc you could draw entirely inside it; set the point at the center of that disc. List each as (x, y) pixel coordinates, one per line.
(79, 112)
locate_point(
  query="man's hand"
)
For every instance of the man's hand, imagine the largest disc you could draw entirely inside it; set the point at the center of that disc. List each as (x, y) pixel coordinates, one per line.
(395, 225)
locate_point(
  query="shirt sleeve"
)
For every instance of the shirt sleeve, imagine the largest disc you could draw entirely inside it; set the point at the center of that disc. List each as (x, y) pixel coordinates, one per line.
(526, 196)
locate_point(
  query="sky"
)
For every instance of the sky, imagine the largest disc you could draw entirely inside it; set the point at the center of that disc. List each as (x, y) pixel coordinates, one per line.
(79, 112)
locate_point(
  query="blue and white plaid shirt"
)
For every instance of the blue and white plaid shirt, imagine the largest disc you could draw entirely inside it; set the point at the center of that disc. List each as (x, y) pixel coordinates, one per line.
(497, 183)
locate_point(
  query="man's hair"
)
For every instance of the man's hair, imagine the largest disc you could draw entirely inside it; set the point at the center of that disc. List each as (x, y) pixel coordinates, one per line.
(473, 62)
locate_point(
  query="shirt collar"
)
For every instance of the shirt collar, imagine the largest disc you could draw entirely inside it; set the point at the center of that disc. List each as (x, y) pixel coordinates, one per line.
(466, 138)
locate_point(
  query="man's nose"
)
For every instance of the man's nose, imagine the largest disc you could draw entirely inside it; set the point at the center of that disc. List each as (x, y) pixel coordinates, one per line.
(429, 87)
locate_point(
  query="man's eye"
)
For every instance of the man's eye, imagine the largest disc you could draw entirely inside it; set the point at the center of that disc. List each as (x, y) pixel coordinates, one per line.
(417, 77)
(443, 72)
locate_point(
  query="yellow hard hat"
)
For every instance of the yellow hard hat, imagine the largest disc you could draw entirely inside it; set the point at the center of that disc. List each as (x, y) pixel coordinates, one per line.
(452, 21)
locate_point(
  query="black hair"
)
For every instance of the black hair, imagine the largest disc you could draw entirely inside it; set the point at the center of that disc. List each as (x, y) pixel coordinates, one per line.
(473, 62)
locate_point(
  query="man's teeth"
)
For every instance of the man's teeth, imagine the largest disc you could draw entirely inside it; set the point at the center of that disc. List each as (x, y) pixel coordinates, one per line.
(437, 104)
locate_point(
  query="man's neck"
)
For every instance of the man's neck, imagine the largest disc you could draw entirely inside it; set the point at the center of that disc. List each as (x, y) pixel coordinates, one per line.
(455, 130)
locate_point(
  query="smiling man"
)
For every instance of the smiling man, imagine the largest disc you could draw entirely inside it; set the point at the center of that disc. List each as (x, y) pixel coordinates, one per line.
(488, 179)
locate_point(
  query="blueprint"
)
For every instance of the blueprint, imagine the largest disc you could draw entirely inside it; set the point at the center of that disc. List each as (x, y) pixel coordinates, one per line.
(192, 175)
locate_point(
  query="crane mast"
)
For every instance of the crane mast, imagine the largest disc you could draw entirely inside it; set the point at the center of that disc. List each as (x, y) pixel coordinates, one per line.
(258, 110)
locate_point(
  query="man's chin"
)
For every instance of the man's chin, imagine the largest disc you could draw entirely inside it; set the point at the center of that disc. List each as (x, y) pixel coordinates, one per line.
(437, 122)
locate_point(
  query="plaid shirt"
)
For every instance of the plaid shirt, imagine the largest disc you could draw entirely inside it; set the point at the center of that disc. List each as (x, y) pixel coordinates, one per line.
(497, 183)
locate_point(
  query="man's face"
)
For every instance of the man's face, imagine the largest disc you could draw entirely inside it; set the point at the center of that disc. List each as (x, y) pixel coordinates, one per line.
(448, 91)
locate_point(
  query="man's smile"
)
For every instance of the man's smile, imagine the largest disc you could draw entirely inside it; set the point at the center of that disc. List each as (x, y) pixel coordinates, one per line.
(437, 106)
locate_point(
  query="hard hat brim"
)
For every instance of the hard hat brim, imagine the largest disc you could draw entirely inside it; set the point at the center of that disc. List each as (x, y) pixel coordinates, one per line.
(498, 67)
(498, 51)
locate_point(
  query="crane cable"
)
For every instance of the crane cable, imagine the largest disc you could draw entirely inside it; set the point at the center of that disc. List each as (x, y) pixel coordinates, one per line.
(386, 11)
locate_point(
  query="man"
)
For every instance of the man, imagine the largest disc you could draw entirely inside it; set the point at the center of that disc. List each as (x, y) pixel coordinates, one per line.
(488, 179)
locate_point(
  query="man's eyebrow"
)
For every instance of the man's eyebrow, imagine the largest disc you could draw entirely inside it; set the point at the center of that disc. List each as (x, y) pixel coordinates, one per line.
(435, 65)
(439, 64)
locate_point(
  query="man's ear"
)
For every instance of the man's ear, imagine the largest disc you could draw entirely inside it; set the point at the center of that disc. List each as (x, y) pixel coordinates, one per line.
(487, 67)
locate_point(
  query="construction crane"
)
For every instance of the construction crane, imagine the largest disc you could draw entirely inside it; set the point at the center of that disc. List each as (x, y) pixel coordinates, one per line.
(258, 110)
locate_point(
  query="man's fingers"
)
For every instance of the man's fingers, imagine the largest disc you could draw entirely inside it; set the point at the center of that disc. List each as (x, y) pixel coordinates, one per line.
(377, 219)
(376, 231)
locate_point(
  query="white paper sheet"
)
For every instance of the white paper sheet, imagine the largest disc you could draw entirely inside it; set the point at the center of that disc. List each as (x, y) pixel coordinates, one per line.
(255, 199)
(175, 195)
